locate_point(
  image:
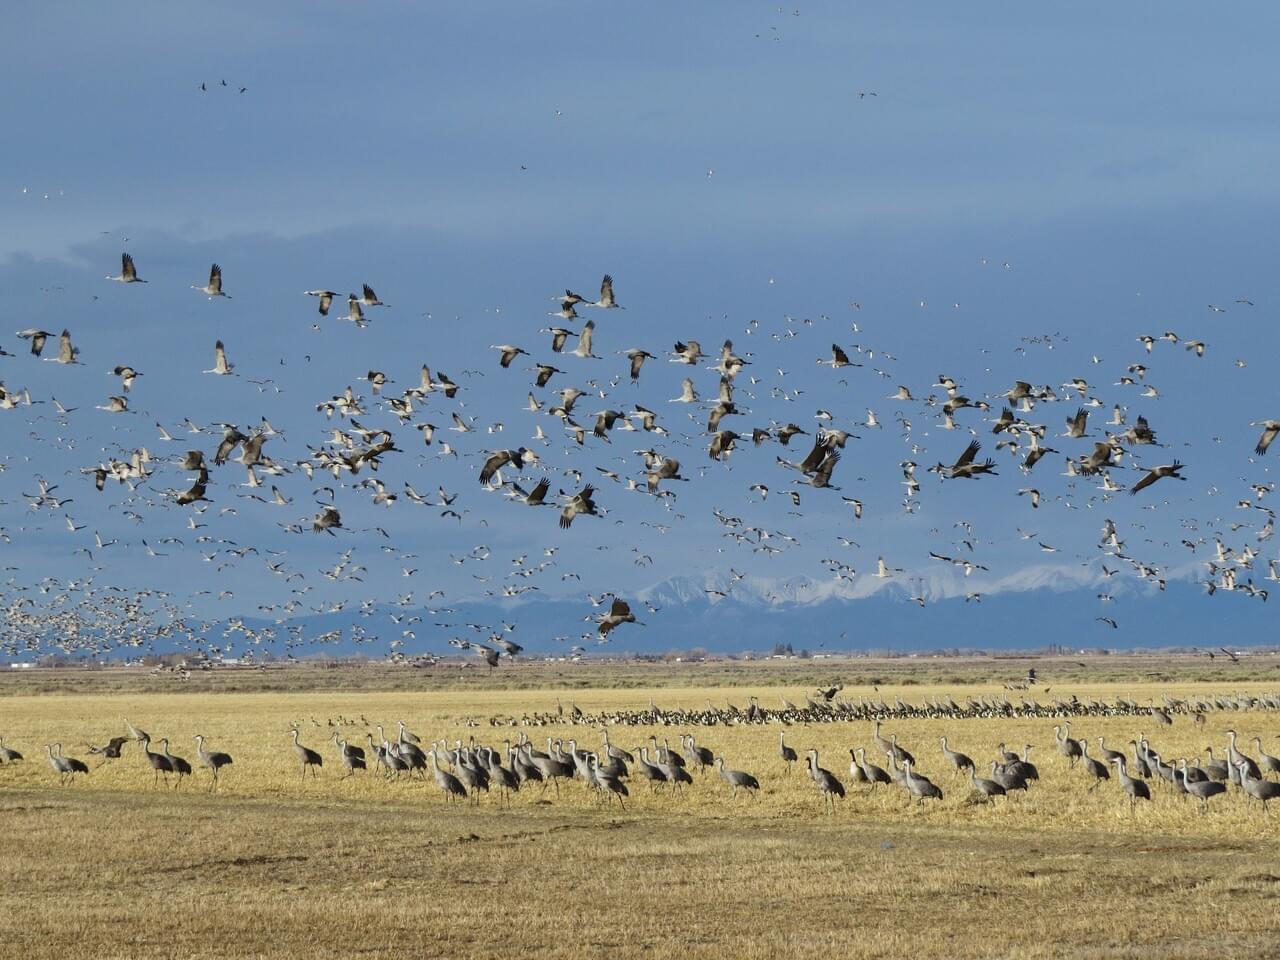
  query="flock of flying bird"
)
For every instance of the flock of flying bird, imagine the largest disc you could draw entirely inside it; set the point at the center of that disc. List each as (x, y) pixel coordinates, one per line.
(357, 436)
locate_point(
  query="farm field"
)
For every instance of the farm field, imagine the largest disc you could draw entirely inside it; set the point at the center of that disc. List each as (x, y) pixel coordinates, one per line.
(276, 864)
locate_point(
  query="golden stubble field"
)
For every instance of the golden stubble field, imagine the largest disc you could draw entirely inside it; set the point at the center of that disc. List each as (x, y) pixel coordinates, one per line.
(275, 865)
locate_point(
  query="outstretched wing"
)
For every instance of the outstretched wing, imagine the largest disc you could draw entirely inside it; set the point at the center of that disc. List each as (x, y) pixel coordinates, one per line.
(1145, 482)
(970, 452)
(1264, 441)
(539, 493)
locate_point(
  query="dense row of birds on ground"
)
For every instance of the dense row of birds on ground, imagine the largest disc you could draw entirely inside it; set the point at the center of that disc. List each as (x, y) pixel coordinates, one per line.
(359, 435)
(465, 770)
(827, 706)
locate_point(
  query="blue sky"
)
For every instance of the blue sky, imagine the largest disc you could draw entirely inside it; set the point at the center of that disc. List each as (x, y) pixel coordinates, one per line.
(719, 162)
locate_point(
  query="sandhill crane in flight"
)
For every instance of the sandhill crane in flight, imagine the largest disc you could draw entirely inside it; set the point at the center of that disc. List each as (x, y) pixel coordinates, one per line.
(558, 337)
(127, 375)
(37, 338)
(580, 502)
(128, 273)
(220, 365)
(534, 498)
(327, 520)
(1076, 424)
(690, 352)
(687, 393)
(545, 373)
(509, 353)
(499, 459)
(196, 492)
(1269, 430)
(637, 358)
(66, 352)
(722, 444)
(326, 299)
(838, 359)
(606, 295)
(370, 299)
(666, 469)
(566, 311)
(1169, 470)
(354, 313)
(214, 287)
(966, 467)
(583, 349)
(619, 613)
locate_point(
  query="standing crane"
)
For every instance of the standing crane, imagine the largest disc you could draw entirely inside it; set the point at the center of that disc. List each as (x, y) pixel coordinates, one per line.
(736, 779)
(213, 762)
(827, 783)
(306, 756)
(787, 754)
(65, 767)
(178, 765)
(157, 761)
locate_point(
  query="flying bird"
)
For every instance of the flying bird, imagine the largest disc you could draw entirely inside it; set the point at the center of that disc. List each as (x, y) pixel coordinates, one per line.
(214, 287)
(128, 273)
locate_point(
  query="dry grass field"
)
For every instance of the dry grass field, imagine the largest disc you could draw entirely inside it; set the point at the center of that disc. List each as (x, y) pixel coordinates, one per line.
(276, 865)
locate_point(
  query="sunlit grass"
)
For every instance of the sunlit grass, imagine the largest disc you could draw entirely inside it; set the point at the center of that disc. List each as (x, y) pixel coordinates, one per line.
(274, 863)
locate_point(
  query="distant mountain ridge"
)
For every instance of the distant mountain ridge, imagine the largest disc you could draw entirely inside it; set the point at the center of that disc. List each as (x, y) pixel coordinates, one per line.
(1061, 609)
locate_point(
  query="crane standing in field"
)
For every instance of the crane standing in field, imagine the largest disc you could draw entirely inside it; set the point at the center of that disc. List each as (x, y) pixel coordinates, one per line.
(157, 761)
(212, 761)
(180, 765)
(306, 756)
(65, 767)
(1136, 789)
(738, 778)
(788, 754)
(827, 783)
